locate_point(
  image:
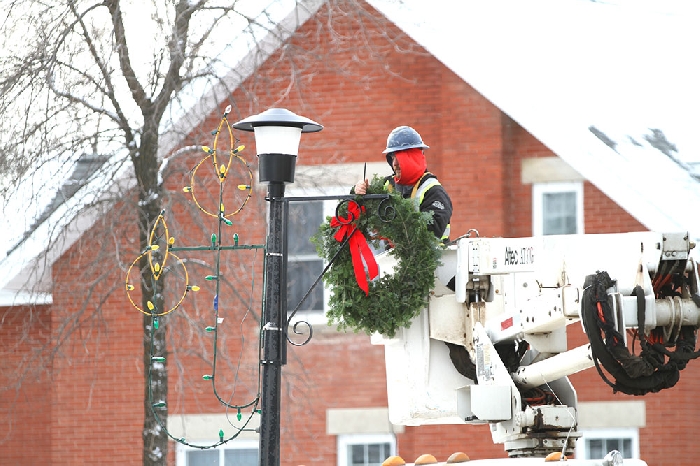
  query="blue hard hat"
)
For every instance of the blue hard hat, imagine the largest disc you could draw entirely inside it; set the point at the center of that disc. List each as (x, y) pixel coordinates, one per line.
(403, 137)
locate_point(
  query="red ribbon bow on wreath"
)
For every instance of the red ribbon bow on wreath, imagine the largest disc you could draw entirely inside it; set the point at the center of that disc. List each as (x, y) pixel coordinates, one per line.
(359, 248)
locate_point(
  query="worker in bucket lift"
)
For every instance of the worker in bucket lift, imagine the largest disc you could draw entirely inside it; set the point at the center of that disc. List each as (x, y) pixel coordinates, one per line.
(405, 154)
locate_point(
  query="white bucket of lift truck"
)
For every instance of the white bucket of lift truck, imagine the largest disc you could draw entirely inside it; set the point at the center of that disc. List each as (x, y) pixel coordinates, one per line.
(421, 379)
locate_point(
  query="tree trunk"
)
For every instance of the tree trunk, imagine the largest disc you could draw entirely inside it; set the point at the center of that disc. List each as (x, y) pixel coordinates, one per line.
(155, 438)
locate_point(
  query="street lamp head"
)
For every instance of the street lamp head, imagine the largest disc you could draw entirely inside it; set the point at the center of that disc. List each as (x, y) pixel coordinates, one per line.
(277, 130)
(277, 136)
(278, 117)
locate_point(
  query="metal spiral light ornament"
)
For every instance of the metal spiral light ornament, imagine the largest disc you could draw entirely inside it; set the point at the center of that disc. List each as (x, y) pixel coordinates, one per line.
(161, 248)
(158, 265)
(222, 170)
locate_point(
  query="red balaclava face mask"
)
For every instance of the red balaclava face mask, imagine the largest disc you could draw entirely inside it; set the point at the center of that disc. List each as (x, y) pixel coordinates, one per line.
(412, 164)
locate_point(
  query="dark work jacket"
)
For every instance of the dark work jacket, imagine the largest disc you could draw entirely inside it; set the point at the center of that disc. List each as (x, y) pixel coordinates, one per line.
(430, 196)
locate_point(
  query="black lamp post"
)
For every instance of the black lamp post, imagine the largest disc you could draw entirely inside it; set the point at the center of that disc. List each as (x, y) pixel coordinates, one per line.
(277, 135)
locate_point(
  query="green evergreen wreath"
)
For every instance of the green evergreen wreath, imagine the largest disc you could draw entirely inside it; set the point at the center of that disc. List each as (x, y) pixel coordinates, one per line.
(393, 300)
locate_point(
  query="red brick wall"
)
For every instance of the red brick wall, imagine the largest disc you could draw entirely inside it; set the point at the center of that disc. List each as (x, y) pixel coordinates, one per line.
(601, 214)
(331, 371)
(97, 381)
(25, 378)
(94, 410)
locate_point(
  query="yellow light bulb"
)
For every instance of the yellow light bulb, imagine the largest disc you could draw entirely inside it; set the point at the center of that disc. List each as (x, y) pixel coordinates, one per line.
(171, 241)
(129, 287)
(222, 169)
(221, 208)
(206, 149)
(150, 305)
(194, 288)
(156, 267)
(187, 189)
(154, 247)
(243, 187)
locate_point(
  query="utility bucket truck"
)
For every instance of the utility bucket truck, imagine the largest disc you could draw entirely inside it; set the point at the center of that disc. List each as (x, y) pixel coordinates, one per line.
(491, 347)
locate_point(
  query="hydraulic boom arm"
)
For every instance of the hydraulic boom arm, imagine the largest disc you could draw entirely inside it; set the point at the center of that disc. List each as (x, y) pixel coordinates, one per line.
(491, 348)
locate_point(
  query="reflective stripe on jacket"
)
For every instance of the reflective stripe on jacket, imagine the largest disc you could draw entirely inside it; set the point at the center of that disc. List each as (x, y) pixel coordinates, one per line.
(429, 196)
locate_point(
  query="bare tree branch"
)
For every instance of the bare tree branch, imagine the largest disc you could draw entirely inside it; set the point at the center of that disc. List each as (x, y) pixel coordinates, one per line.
(137, 92)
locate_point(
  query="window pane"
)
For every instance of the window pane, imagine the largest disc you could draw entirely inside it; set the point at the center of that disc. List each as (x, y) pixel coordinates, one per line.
(598, 448)
(304, 220)
(372, 454)
(241, 457)
(300, 277)
(377, 453)
(626, 448)
(303, 263)
(612, 444)
(559, 213)
(203, 458)
(357, 455)
(595, 448)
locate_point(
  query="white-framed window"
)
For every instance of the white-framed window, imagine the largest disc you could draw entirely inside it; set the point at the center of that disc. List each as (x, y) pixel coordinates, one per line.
(557, 208)
(365, 449)
(303, 262)
(596, 443)
(234, 453)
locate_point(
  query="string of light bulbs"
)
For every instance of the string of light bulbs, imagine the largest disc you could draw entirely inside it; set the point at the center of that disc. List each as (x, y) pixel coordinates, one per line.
(158, 256)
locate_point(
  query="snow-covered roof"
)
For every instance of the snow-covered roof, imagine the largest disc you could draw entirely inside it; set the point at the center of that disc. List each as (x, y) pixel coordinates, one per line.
(610, 86)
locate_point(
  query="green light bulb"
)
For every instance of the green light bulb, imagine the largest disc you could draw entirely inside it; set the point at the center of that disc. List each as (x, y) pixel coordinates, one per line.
(207, 377)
